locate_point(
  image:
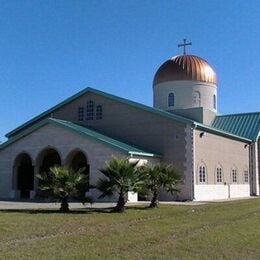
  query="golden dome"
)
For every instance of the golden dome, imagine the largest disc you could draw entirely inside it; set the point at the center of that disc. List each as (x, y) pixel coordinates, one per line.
(185, 67)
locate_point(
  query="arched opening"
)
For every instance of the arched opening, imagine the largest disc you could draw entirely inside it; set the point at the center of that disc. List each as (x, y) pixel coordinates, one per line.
(24, 179)
(90, 110)
(171, 100)
(202, 174)
(234, 175)
(77, 160)
(219, 178)
(196, 99)
(214, 102)
(246, 175)
(48, 158)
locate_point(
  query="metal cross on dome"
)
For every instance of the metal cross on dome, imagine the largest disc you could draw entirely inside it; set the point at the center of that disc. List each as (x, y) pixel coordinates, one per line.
(184, 44)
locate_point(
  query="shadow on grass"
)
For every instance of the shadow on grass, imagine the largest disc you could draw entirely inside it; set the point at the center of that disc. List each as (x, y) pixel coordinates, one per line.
(87, 210)
(57, 211)
(138, 208)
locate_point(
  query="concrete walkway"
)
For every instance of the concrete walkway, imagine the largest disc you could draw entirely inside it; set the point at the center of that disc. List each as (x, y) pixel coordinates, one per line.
(22, 205)
(19, 205)
(33, 205)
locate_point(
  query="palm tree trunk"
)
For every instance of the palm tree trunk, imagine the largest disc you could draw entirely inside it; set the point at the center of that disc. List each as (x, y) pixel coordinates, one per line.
(64, 205)
(120, 207)
(154, 200)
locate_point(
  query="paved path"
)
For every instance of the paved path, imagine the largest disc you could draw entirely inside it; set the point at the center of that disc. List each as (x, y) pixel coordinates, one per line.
(13, 205)
(30, 205)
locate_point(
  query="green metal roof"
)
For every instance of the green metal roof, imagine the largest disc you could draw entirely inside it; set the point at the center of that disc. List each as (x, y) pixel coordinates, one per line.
(249, 121)
(219, 132)
(104, 94)
(246, 125)
(84, 131)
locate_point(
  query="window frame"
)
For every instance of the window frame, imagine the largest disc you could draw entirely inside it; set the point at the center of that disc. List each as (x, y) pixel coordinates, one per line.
(90, 110)
(234, 173)
(171, 99)
(219, 175)
(196, 98)
(80, 113)
(202, 174)
(214, 101)
(246, 176)
(99, 112)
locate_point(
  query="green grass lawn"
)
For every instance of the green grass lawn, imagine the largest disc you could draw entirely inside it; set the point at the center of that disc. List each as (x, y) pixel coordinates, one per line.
(229, 230)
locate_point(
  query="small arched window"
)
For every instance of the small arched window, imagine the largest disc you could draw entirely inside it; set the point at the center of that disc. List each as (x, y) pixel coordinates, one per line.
(219, 174)
(214, 101)
(234, 177)
(202, 174)
(99, 112)
(80, 113)
(90, 110)
(246, 175)
(171, 100)
(196, 99)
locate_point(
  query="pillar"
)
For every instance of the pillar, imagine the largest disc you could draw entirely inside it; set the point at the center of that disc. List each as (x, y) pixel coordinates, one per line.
(254, 169)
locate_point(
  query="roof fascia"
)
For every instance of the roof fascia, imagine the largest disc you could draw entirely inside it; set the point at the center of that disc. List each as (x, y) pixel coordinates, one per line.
(104, 94)
(24, 133)
(65, 126)
(257, 136)
(64, 102)
(238, 114)
(145, 154)
(221, 133)
(51, 121)
(143, 107)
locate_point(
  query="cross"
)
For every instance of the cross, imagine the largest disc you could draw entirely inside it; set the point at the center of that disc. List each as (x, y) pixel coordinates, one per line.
(184, 44)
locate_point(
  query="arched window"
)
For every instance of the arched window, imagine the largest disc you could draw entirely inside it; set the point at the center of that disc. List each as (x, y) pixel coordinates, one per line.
(196, 99)
(234, 177)
(214, 101)
(171, 100)
(80, 113)
(90, 110)
(202, 174)
(99, 112)
(246, 176)
(219, 174)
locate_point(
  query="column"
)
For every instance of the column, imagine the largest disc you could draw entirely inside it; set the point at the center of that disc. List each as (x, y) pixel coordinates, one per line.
(254, 169)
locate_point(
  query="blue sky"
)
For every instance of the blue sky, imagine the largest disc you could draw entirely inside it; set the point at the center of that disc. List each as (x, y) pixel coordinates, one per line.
(50, 50)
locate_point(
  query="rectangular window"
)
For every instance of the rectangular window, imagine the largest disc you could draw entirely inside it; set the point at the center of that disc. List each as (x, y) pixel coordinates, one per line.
(80, 113)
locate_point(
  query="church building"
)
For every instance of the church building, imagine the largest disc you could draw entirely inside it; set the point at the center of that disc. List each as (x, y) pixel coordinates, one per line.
(219, 155)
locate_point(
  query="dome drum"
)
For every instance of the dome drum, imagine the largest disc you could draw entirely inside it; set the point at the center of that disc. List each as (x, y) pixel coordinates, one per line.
(189, 81)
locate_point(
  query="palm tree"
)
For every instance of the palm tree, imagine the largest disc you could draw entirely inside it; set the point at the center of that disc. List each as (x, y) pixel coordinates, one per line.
(121, 177)
(62, 183)
(159, 176)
